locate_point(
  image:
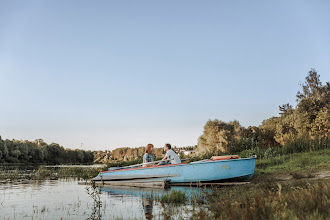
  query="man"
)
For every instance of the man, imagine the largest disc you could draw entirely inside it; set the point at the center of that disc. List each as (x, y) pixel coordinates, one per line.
(170, 155)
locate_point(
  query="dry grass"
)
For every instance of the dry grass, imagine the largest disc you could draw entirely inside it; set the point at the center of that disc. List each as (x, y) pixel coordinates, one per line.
(297, 199)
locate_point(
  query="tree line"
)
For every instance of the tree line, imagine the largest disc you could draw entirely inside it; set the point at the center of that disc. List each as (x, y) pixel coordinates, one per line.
(310, 120)
(15, 151)
(38, 151)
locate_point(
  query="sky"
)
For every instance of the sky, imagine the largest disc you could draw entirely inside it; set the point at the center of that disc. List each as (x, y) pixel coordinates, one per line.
(97, 75)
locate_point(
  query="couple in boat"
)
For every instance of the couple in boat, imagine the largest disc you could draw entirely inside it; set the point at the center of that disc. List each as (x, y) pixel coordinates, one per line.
(169, 155)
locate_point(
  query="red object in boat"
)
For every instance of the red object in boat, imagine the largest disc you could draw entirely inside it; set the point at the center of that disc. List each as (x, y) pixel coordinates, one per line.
(227, 157)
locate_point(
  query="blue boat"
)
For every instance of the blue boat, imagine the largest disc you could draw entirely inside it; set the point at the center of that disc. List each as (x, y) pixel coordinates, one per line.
(211, 170)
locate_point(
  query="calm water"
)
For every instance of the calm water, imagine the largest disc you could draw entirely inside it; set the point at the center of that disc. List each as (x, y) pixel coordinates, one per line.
(65, 199)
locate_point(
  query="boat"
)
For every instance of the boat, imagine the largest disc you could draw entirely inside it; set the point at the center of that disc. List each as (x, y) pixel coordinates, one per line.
(217, 169)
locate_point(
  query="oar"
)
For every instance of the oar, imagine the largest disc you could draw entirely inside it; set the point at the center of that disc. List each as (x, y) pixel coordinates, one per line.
(141, 164)
(153, 162)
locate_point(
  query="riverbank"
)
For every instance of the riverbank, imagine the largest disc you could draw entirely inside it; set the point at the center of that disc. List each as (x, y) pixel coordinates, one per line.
(294, 186)
(285, 186)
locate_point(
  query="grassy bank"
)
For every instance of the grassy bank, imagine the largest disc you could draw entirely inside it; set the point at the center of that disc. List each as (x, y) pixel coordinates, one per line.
(306, 162)
(285, 186)
(298, 199)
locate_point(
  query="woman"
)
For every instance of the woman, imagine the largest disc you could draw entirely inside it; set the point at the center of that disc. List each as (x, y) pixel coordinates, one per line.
(148, 157)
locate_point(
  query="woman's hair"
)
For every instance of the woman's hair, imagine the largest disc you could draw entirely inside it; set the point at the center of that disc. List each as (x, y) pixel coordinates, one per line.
(148, 148)
(168, 146)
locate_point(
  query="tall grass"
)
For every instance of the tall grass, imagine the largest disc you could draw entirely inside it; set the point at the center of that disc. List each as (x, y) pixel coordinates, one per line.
(304, 162)
(297, 145)
(173, 197)
(300, 200)
(79, 172)
(304, 145)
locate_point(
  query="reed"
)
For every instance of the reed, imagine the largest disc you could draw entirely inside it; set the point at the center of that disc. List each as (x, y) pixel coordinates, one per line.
(173, 197)
(298, 145)
(78, 172)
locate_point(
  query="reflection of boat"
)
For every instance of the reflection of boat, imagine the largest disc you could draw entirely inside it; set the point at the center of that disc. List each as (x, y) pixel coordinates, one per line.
(217, 169)
(149, 192)
(132, 191)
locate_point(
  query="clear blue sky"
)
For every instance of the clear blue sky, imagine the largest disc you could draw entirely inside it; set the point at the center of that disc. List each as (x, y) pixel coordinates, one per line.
(113, 74)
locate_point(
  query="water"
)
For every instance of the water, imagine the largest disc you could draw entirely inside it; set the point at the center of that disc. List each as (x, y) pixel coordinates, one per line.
(65, 199)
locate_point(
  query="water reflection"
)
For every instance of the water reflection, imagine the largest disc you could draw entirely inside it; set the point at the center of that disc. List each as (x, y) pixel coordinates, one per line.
(150, 198)
(65, 199)
(152, 192)
(132, 191)
(147, 204)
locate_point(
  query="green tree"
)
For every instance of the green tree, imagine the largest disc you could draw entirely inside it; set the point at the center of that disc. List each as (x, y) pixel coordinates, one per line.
(268, 130)
(313, 103)
(218, 135)
(3, 150)
(311, 87)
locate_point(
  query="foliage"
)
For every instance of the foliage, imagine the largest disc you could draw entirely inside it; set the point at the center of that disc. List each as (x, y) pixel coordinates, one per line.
(39, 152)
(15, 151)
(310, 119)
(218, 135)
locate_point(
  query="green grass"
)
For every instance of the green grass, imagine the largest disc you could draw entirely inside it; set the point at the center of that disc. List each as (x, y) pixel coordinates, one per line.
(173, 197)
(297, 162)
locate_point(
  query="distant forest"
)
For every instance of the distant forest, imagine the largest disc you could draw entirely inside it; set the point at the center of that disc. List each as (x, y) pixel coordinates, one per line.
(309, 119)
(15, 151)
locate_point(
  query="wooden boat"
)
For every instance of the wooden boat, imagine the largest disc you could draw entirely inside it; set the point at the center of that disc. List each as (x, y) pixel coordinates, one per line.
(217, 169)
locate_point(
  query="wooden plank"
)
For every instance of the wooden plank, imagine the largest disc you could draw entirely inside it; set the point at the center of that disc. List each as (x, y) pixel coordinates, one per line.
(128, 177)
(209, 184)
(141, 184)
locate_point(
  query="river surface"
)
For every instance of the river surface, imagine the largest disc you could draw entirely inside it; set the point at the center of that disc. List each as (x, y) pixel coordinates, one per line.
(66, 199)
